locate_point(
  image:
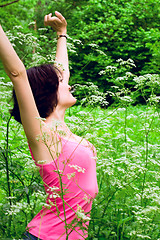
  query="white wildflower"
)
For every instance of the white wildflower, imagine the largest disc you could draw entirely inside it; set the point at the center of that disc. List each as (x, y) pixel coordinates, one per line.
(80, 214)
(71, 175)
(76, 167)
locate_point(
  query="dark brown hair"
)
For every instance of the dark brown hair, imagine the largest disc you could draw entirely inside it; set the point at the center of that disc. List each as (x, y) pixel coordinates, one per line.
(44, 83)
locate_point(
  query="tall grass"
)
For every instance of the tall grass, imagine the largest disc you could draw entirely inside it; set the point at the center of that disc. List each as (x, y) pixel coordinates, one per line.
(128, 144)
(128, 148)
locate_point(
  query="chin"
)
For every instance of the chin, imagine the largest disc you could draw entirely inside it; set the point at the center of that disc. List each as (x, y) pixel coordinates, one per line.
(74, 100)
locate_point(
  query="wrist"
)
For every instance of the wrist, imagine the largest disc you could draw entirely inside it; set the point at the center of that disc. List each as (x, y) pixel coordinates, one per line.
(64, 32)
(62, 36)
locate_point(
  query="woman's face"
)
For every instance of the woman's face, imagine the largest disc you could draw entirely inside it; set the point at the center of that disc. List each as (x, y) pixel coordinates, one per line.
(65, 97)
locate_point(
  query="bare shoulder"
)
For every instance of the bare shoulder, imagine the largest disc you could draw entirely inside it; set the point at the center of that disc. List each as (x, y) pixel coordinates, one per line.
(48, 146)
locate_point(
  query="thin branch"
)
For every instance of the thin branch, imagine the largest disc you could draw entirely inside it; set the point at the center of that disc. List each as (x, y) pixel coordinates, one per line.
(6, 4)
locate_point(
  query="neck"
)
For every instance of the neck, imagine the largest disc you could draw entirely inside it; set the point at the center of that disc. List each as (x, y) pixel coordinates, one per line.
(58, 114)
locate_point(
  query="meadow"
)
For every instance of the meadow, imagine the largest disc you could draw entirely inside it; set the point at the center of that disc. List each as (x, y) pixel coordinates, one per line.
(118, 110)
(128, 163)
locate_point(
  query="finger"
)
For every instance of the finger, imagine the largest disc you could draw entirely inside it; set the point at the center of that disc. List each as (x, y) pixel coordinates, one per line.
(54, 19)
(45, 20)
(59, 15)
(47, 17)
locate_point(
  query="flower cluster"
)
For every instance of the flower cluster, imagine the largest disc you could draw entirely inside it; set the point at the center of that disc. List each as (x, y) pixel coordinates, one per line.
(80, 214)
(76, 167)
(86, 198)
(71, 175)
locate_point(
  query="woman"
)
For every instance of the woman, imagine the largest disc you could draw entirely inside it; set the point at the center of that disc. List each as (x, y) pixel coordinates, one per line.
(66, 162)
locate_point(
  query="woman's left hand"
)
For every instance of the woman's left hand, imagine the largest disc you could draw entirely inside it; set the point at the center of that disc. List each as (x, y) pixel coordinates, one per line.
(58, 23)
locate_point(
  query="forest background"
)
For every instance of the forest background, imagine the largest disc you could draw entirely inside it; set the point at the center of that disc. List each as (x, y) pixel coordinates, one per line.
(114, 52)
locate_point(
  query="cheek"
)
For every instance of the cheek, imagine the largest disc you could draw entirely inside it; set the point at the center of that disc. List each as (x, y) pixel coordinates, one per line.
(61, 88)
(61, 94)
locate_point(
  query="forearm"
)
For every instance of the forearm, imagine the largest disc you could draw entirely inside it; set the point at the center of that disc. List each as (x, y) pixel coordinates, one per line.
(12, 64)
(59, 24)
(62, 56)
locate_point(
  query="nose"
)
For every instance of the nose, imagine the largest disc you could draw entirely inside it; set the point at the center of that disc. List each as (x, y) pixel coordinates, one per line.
(69, 87)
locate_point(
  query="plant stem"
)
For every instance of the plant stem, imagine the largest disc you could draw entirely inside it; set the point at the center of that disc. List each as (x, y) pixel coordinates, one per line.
(125, 128)
(6, 162)
(7, 172)
(146, 160)
(62, 193)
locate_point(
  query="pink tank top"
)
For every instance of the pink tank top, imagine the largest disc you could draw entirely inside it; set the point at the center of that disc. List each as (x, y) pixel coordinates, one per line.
(78, 172)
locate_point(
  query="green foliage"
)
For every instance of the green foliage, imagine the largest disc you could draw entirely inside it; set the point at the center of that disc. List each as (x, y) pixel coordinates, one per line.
(105, 30)
(123, 29)
(101, 33)
(127, 143)
(124, 83)
(129, 164)
(127, 138)
(20, 175)
(90, 95)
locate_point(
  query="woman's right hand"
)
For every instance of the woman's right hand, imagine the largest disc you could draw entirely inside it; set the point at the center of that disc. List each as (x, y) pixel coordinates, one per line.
(58, 23)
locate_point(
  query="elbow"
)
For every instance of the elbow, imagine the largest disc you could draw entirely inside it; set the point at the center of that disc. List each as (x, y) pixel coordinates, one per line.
(17, 73)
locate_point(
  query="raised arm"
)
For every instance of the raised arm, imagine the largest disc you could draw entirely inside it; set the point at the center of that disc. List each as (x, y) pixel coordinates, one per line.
(59, 24)
(17, 73)
(12, 64)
